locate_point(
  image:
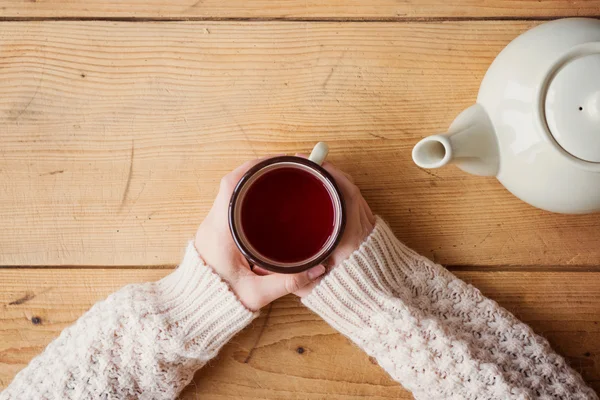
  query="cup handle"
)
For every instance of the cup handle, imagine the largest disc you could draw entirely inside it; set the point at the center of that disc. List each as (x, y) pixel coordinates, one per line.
(319, 152)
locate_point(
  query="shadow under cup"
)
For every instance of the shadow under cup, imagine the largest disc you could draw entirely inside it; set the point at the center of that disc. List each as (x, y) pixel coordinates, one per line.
(286, 214)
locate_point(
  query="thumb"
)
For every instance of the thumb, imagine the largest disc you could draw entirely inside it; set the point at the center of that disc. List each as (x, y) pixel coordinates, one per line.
(271, 287)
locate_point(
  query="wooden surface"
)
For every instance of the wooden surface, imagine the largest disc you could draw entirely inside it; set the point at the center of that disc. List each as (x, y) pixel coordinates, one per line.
(300, 9)
(562, 306)
(115, 134)
(117, 120)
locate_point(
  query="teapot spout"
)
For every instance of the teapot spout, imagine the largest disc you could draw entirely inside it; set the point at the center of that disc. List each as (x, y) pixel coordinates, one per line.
(470, 143)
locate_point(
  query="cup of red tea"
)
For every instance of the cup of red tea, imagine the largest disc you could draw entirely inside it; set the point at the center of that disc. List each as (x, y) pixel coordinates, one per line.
(286, 214)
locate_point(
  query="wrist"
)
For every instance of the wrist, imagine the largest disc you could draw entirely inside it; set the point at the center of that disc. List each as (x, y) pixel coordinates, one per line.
(378, 258)
(194, 295)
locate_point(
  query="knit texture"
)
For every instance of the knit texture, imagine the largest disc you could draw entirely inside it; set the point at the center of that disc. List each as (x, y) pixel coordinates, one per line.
(143, 342)
(436, 335)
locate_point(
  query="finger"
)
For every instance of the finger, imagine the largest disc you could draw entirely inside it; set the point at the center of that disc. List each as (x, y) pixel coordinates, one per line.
(272, 287)
(365, 206)
(260, 271)
(242, 169)
(305, 291)
(230, 180)
(329, 166)
(341, 179)
(348, 176)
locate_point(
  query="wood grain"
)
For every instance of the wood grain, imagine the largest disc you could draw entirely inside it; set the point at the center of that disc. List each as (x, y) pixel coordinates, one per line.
(562, 306)
(299, 9)
(114, 135)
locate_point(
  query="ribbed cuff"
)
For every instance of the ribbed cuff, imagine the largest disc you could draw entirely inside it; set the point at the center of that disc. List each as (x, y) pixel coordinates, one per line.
(357, 289)
(201, 305)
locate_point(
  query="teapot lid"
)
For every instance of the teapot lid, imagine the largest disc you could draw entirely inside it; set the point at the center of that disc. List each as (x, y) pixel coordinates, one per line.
(572, 107)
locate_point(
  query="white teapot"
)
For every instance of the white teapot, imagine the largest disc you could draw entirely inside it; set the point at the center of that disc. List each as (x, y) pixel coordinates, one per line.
(536, 124)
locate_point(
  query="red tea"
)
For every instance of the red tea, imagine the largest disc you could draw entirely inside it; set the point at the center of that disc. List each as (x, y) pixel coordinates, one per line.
(287, 215)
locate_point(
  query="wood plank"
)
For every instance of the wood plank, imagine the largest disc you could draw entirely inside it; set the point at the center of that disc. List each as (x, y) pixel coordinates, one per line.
(562, 306)
(295, 9)
(114, 135)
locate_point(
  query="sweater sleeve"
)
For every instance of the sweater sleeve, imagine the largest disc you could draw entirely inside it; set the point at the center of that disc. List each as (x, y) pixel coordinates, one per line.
(436, 335)
(143, 342)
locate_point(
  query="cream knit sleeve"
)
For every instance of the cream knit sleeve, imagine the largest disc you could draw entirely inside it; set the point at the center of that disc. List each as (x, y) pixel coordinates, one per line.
(436, 335)
(143, 342)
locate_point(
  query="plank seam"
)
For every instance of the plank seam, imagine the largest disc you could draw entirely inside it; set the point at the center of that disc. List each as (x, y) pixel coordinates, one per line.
(296, 19)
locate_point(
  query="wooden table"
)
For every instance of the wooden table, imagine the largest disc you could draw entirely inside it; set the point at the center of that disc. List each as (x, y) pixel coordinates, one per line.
(119, 118)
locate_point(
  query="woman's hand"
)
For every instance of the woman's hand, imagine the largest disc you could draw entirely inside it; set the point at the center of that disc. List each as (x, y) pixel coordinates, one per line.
(359, 221)
(216, 247)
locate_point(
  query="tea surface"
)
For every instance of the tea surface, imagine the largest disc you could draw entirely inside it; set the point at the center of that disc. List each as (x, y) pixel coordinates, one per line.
(287, 215)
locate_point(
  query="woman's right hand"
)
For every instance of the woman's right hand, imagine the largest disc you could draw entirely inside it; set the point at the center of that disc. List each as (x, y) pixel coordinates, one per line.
(359, 222)
(216, 247)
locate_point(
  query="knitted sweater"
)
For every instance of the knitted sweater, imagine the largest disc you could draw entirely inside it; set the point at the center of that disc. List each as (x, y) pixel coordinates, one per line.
(143, 342)
(433, 333)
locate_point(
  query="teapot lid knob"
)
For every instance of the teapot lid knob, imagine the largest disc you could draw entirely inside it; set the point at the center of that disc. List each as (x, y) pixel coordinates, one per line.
(572, 107)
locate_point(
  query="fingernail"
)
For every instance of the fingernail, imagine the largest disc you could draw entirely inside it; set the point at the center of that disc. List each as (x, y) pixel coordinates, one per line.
(316, 272)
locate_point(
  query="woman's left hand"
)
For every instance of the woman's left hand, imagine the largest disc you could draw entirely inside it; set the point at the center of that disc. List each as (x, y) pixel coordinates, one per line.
(216, 247)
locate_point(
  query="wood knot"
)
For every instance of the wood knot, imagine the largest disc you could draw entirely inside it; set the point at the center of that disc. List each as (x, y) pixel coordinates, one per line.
(300, 350)
(36, 320)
